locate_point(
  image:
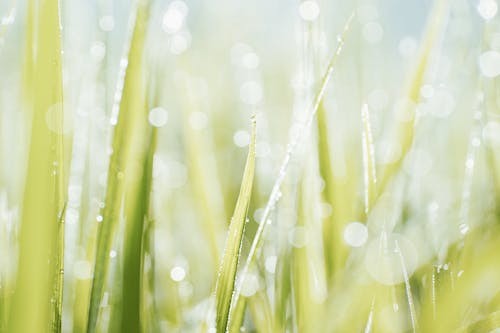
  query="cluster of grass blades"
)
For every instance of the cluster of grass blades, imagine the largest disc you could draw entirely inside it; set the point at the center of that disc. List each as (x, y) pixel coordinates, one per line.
(345, 240)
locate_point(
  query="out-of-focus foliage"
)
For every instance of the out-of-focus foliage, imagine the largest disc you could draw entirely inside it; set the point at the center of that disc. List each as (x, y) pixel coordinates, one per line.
(369, 200)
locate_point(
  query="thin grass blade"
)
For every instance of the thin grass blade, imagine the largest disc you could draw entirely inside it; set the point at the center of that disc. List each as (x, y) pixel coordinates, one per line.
(224, 289)
(292, 146)
(130, 117)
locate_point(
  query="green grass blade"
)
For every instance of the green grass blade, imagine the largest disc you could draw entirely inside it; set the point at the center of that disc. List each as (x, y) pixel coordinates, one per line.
(131, 113)
(405, 129)
(261, 313)
(36, 303)
(370, 176)
(340, 191)
(226, 280)
(137, 206)
(204, 177)
(292, 146)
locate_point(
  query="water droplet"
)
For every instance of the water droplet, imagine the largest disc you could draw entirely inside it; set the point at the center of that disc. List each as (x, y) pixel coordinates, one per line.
(112, 254)
(270, 264)
(158, 117)
(489, 63)
(487, 9)
(469, 164)
(107, 23)
(174, 16)
(309, 10)
(250, 60)
(241, 138)
(99, 218)
(427, 91)
(464, 228)
(355, 234)
(177, 273)
(250, 285)
(98, 50)
(257, 215)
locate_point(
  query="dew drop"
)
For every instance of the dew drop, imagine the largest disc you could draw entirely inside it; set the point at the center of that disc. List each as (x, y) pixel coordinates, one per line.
(158, 117)
(487, 9)
(177, 273)
(250, 285)
(241, 138)
(270, 264)
(309, 10)
(107, 23)
(489, 63)
(355, 234)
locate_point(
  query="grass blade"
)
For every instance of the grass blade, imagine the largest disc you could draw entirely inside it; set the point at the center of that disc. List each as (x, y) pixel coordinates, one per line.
(226, 280)
(137, 207)
(370, 176)
(292, 146)
(405, 129)
(131, 113)
(36, 303)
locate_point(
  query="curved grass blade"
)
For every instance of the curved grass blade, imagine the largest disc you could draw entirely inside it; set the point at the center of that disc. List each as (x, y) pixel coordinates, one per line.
(406, 128)
(226, 280)
(131, 113)
(292, 146)
(36, 305)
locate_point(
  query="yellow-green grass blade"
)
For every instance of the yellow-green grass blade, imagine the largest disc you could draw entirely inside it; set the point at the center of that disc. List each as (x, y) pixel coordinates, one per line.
(225, 284)
(304, 306)
(330, 232)
(238, 316)
(463, 299)
(370, 176)
(36, 303)
(131, 113)
(308, 274)
(292, 146)
(28, 57)
(136, 212)
(406, 127)
(260, 310)
(340, 193)
(203, 176)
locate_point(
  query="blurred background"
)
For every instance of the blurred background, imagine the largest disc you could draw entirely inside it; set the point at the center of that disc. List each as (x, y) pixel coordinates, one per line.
(214, 64)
